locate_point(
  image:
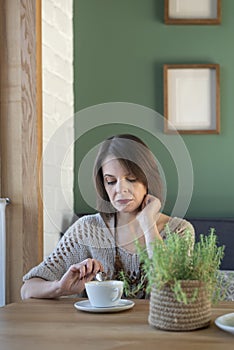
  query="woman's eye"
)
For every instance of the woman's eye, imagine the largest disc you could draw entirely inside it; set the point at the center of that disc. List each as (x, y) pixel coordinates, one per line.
(132, 179)
(110, 181)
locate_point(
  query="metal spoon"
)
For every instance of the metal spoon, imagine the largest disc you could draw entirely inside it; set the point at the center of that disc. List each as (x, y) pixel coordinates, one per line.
(101, 276)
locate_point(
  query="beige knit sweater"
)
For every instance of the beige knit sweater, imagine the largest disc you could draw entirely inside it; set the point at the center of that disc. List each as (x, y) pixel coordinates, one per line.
(90, 237)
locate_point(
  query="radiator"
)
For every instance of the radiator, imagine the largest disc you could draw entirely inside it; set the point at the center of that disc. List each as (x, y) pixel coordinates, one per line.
(3, 204)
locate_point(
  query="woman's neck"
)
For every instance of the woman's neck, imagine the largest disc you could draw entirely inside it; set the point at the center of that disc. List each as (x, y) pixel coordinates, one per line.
(125, 218)
(127, 230)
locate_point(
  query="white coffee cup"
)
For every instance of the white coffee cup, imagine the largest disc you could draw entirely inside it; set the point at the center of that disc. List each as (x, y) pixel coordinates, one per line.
(105, 293)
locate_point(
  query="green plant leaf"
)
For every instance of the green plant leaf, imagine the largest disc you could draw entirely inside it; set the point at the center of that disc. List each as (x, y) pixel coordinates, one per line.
(177, 258)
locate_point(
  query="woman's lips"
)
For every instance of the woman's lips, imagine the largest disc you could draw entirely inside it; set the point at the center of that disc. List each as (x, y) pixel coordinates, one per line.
(124, 201)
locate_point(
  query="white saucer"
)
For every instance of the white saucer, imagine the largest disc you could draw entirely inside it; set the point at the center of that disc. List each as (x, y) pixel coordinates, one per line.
(226, 322)
(85, 305)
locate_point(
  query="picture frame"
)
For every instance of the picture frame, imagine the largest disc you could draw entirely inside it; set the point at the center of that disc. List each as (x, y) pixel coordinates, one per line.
(191, 98)
(192, 11)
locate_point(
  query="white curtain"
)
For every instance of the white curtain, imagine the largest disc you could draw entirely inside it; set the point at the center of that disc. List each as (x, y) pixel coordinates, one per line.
(3, 203)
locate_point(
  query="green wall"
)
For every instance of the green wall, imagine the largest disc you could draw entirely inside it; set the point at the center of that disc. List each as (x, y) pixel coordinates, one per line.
(120, 47)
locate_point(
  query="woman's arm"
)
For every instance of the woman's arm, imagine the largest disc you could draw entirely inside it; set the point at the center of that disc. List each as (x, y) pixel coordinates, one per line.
(147, 219)
(39, 288)
(72, 282)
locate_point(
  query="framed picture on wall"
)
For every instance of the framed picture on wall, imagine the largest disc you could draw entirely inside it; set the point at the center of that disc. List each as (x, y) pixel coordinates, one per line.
(192, 11)
(192, 98)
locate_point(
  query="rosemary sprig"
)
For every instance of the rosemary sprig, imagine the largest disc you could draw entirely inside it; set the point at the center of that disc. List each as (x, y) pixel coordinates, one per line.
(178, 258)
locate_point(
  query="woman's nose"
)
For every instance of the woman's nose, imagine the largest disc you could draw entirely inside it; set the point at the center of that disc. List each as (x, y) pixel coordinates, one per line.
(122, 186)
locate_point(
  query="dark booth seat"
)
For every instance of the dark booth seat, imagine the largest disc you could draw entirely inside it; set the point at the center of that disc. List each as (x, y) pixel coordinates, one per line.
(224, 229)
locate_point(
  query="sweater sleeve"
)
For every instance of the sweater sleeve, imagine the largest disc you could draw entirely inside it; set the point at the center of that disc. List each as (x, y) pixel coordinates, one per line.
(179, 226)
(70, 250)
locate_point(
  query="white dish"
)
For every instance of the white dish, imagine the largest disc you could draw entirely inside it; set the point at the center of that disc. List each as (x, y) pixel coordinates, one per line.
(226, 322)
(85, 305)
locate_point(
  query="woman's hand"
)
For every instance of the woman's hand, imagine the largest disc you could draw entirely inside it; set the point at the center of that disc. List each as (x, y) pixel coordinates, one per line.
(149, 213)
(73, 281)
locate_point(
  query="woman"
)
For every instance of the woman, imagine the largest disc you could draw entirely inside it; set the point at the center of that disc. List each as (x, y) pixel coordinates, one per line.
(129, 197)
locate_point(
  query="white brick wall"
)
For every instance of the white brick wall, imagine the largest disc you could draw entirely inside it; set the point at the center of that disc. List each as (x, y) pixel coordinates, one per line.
(58, 110)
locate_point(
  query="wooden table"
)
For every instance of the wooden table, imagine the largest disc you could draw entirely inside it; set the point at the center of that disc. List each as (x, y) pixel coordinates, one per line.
(55, 324)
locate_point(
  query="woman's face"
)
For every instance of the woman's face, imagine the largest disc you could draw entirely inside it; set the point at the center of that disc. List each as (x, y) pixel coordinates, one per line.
(124, 190)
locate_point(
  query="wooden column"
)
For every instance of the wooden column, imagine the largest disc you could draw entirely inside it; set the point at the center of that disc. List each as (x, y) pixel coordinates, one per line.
(20, 137)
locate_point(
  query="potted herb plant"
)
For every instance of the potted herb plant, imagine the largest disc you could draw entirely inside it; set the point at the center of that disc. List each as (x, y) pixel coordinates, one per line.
(182, 279)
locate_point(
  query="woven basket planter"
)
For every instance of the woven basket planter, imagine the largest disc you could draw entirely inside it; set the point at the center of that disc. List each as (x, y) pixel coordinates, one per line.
(167, 313)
